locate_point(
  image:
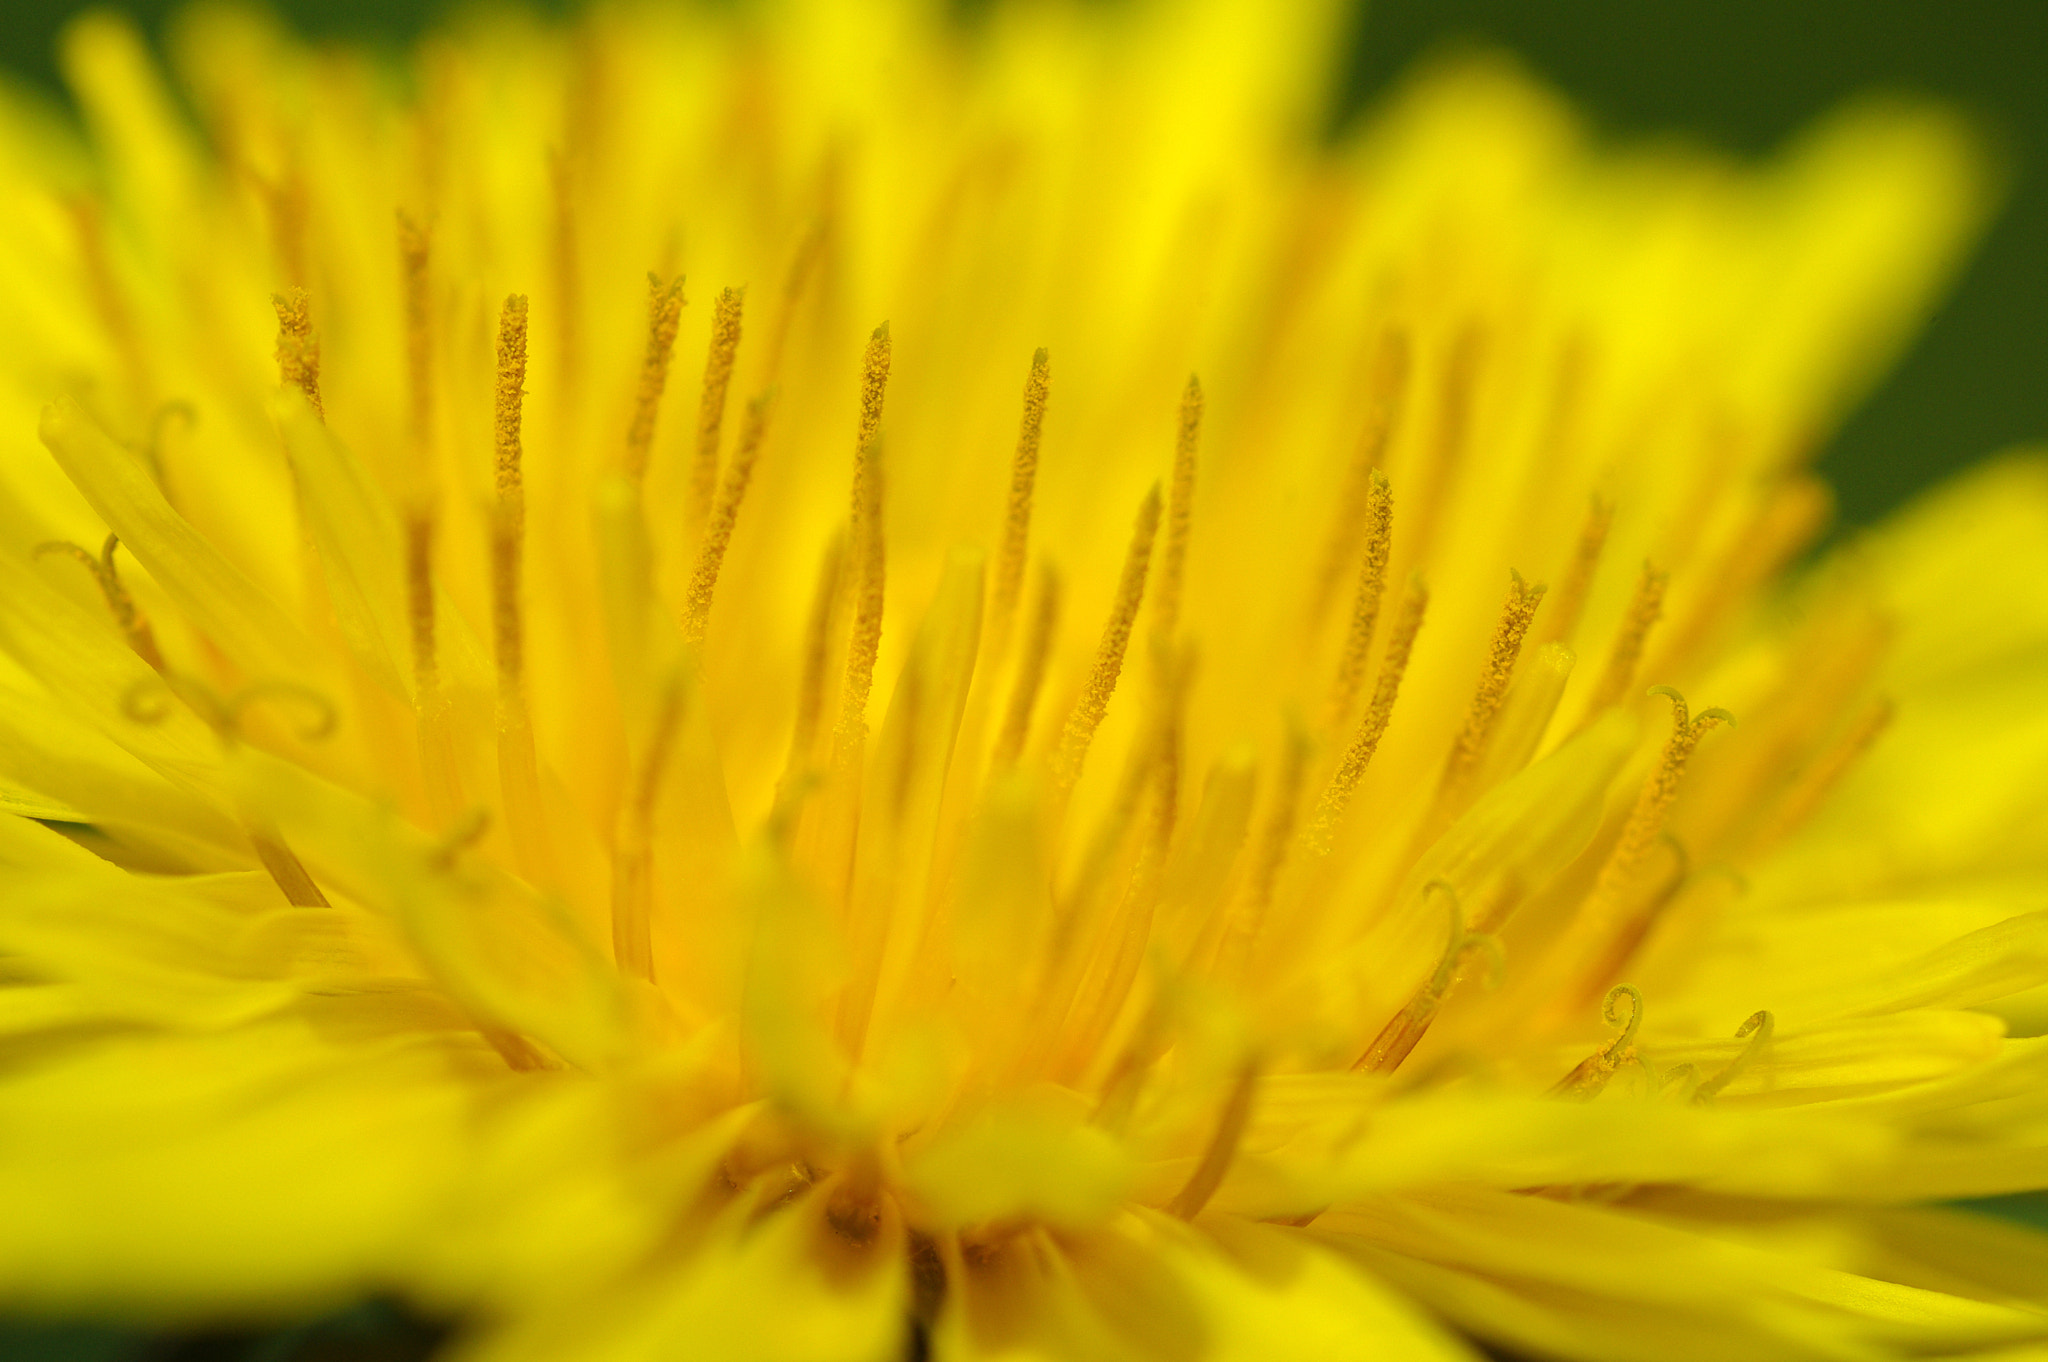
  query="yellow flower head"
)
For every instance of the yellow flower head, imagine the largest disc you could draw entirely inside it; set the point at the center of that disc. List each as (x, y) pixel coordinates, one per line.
(947, 835)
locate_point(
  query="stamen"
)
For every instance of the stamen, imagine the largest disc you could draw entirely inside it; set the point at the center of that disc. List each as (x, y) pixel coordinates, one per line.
(1644, 609)
(866, 537)
(320, 714)
(1365, 608)
(1216, 1159)
(412, 258)
(1578, 578)
(114, 313)
(1386, 690)
(1494, 676)
(1030, 671)
(134, 625)
(1585, 1081)
(286, 869)
(1757, 1029)
(718, 366)
(1109, 654)
(1180, 514)
(1387, 389)
(509, 524)
(518, 768)
(726, 514)
(1008, 585)
(562, 250)
(298, 349)
(664, 318)
(1407, 1027)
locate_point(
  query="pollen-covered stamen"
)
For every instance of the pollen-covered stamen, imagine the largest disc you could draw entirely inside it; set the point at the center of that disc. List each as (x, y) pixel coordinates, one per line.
(870, 563)
(718, 366)
(1366, 741)
(802, 266)
(1570, 601)
(1455, 399)
(133, 623)
(664, 318)
(1180, 515)
(1387, 389)
(1093, 703)
(1644, 609)
(725, 514)
(1587, 1079)
(518, 769)
(413, 247)
(298, 349)
(1494, 676)
(1031, 666)
(1365, 605)
(1216, 1159)
(1756, 1029)
(1007, 587)
(1405, 1029)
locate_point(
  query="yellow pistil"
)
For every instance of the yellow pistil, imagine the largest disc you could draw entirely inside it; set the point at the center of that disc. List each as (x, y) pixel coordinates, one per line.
(1405, 1029)
(868, 548)
(1031, 666)
(518, 767)
(1757, 1029)
(1109, 653)
(1385, 692)
(413, 248)
(664, 318)
(1222, 1147)
(1365, 607)
(1386, 392)
(725, 515)
(1180, 515)
(718, 366)
(1007, 585)
(1494, 675)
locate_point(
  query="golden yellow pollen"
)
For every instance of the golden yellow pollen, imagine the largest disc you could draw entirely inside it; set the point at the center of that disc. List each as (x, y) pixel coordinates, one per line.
(1180, 514)
(1494, 676)
(1109, 653)
(1030, 671)
(1008, 584)
(1276, 837)
(725, 515)
(1365, 607)
(1644, 609)
(1570, 601)
(298, 349)
(868, 546)
(718, 367)
(518, 764)
(438, 763)
(1385, 692)
(664, 318)
(133, 623)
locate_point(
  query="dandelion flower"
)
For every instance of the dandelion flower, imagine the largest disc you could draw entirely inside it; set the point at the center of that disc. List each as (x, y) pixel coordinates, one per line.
(644, 706)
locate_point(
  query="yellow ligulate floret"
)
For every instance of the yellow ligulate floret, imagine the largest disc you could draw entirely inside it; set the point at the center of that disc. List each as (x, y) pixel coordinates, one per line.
(803, 684)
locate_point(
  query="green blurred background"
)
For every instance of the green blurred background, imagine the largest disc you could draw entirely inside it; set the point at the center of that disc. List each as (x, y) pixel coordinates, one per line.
(1741, 74)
